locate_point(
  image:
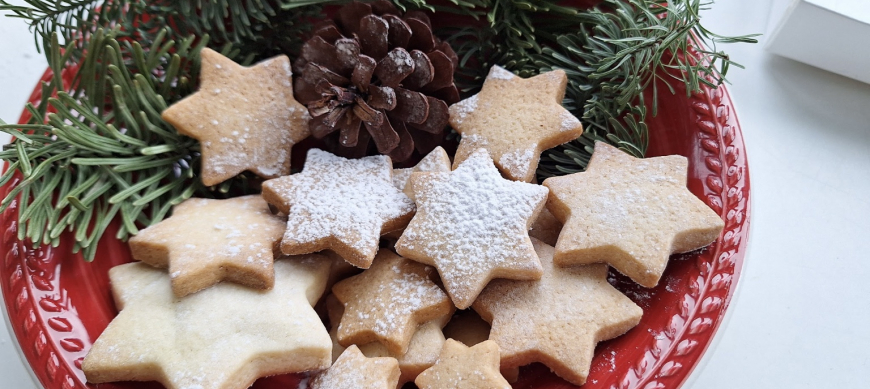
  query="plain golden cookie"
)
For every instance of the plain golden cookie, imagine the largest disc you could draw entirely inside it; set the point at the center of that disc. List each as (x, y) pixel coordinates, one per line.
(387, 302)
(244, 118)
(629, 213)
(340, 204)
(206, 241)
(463, 367)
(473, 226)
(546, 228)
(223, 337)
(354, 370)
(558, 320)
(515, 119)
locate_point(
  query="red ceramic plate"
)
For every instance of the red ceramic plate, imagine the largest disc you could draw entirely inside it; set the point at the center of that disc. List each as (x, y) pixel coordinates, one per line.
(58, 304)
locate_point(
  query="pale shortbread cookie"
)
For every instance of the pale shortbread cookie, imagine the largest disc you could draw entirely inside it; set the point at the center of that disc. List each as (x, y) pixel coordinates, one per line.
(558, 320)
(422, 351)
(469, 329)
(340, 204)
(244, 118)
(629, 213)
(463, 367)
(387, 302)
(206, 241)
(472, 225)
(354, 370)
(515, 119)
(223, 337)
(546, 228)
(436, 161)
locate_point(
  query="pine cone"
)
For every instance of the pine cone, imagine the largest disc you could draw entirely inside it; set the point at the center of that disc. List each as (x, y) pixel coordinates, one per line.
(370, 67)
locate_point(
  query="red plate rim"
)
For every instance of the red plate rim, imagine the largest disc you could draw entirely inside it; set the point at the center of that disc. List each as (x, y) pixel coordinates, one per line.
(43, 303)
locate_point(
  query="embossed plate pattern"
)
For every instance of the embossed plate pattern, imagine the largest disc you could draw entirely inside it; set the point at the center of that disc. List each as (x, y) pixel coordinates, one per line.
(58, 304)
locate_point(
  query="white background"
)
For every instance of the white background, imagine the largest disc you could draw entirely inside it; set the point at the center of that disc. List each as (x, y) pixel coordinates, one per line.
(801, 316)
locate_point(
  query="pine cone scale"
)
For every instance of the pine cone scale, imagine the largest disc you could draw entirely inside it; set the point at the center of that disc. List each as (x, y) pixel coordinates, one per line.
(421, 35)
(411, 107)
(363, 72)
(385, 137)
(437, 119)
(373, 36)
(423, 73)
(443, 75)
(400, 33)
(382, 98)
(394, 67)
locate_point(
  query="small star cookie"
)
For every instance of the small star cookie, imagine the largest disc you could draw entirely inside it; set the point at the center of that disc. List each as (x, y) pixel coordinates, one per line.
(436, 161)
(422, 351)
(223, 337)
(630, 213)
(515, 119)
(354, 370)
(473, 225)
(558, 320)
(462, 367)
(244, 118)
(206, 241)
(340, 204)
(387, 302)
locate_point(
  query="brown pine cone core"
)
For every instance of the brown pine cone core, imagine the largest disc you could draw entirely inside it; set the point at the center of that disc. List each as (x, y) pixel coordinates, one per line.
(371, 68)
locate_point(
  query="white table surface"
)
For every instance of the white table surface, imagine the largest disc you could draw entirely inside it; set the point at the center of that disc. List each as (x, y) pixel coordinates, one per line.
(801, 316)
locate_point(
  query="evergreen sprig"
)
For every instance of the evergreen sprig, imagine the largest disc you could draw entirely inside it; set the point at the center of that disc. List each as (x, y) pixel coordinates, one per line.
(623, 49)
(98, 148)
(612, 53)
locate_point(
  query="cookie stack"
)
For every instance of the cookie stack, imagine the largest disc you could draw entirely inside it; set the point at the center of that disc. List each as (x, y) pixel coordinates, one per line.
(393, 259)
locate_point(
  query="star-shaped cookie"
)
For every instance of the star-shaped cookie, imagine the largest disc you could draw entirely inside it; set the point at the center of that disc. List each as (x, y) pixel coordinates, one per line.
(223, 337)
(515, 119)
(244, 118)
(436, 161)
(630, 213)
(463, 367)
(354, 370)
(206, 241)
(558, 320)
(422, 351)
(340, 204)
(473, 225)
(387, 302)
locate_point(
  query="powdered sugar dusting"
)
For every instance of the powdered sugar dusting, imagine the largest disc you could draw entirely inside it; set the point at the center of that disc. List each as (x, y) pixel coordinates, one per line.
(353, 370)
(436, 161)
(470, 222)
(517, 162)
(401, 176)
(499, 73)
(569, 121)
(459, 111)
(395, 301)
(347, 199)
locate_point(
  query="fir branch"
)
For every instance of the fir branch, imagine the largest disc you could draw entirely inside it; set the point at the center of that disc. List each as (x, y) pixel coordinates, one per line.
(611, 52)
(245, 30)
(104, 151)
